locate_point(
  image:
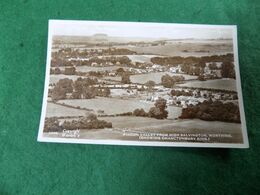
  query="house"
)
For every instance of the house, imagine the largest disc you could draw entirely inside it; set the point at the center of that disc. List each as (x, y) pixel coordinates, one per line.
(113, 74)
(204, 93)
(94, 64)
(176, 69)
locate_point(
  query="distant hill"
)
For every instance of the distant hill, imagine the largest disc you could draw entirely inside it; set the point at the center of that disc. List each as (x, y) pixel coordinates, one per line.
(97, 38)
(103, 35)
(104, 38)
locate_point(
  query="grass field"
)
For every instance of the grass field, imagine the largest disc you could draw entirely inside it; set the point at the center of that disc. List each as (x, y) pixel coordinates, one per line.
(89, 68)
(155, 76)
(141, 58)
(54, 110)
(187, 48)
(126, 124)
(118, 106)
(226, 84)
(55, 78)
(109, 105)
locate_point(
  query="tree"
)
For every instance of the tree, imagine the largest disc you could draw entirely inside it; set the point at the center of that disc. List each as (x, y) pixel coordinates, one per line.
(213, 66)
(89, 92)
(51, 125)
(82, 88)
(120, 71)
(140, 112)
(66, 84)
(62, 87)
(227, 70)
(150, 84)
(76, 95)
(197, 71)
(57, 71)
(106, 92)
(185, 68)
(159, 111)
(125, 79)
(92, 117)
(124, 60)
(58, 93)
(167, 81)
(201, 78)
(178, 78)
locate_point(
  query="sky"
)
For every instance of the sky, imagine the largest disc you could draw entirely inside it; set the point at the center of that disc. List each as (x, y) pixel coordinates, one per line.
(140, 30)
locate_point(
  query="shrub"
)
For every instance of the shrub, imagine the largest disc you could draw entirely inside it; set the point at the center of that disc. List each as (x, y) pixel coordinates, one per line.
(167, 81)
(140, 112)
(125, 78)
(159, 111)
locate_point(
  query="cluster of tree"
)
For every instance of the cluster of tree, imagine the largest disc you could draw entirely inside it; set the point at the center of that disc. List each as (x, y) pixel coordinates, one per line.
(90, 122)
(59, 59)
(140, 65)
(55, 71)
(105, 52)
(196, 69)
(181, 93)
(109, 59)
(62, 87)
(158, 111)
(202, 78)
(213, 66)
(81, 88)
(120, 71)
(213, 111)
(192, 60)
(169, 81)
(140, 112)
(87, 92)
(52, 125)
(95, 73)
(68, 71)
(117, 51)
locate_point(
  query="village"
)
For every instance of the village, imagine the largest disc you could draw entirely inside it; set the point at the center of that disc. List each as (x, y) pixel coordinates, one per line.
(119, 73)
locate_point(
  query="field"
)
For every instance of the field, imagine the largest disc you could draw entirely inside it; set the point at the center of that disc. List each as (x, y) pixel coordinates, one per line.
(92, 68)
(226, 84)
(141, 58)
(54, 110)
(117, 106)
(128, 125)
(187, 48)
(57, 77)
(154, 76)
(149, 124)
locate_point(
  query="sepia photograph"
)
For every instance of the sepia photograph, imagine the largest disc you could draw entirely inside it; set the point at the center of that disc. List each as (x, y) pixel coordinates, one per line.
(150, 84)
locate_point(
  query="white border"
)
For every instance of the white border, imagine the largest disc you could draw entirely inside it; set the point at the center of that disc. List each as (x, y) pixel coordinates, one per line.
(53, 23)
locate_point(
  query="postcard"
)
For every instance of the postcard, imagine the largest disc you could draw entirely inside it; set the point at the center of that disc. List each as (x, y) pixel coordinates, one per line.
(143, 84)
